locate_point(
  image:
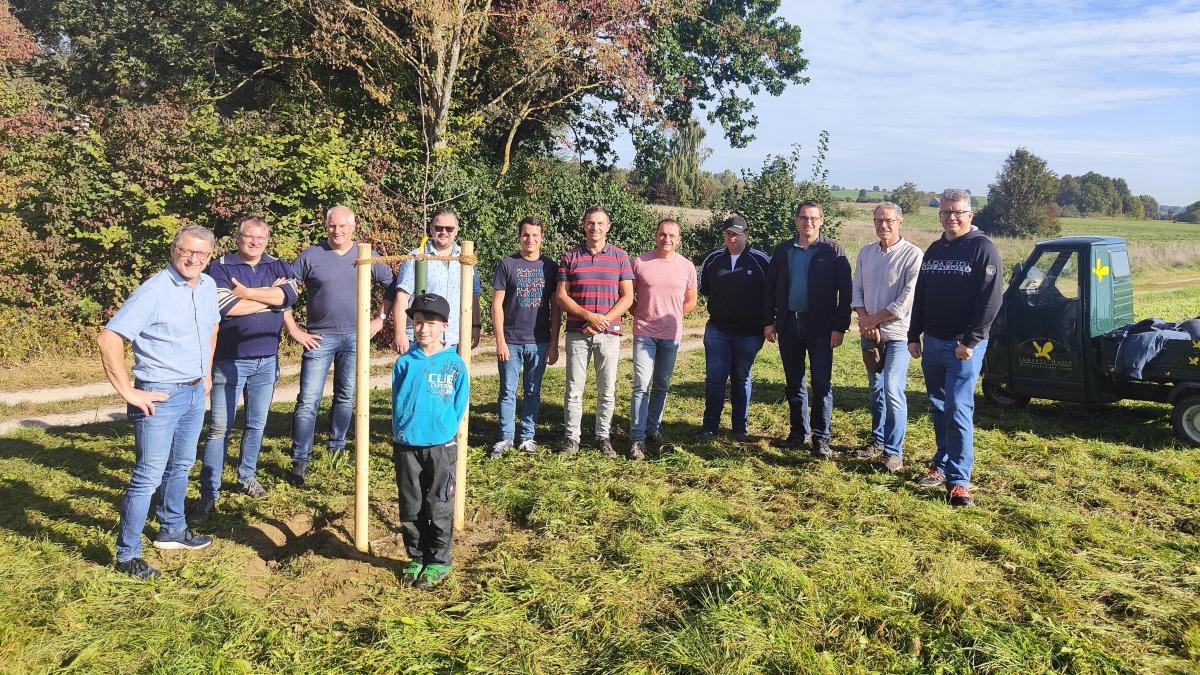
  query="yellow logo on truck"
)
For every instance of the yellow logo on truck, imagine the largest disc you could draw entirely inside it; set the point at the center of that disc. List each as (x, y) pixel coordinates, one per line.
(1043, 350)
(1100, 270)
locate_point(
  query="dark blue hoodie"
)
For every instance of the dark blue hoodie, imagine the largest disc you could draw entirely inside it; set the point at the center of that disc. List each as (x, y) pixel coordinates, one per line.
(959, 290)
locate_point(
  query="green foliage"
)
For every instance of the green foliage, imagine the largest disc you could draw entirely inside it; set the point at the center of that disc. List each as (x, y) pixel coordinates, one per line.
(908, 197)
(716, 58)
(767, 199)
(1149, 206)
(119, 189)
(1097, 195)
(1021, 201)
(682, 172)
(1190, 213)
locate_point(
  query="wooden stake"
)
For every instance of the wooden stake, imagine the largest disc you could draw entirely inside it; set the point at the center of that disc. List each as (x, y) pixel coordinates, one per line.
(362, 400)
(466, 297)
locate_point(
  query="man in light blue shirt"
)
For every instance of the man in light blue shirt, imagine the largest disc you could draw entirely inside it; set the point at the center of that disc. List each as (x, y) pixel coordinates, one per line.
(171, 319)
(444, 279)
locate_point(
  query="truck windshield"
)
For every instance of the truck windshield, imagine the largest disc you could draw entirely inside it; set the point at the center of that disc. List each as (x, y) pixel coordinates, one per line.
(1052, 278)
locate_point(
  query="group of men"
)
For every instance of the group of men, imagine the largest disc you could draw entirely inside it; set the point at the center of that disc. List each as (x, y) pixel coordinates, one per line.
(218, 334)
(594, 284)
(937, 305)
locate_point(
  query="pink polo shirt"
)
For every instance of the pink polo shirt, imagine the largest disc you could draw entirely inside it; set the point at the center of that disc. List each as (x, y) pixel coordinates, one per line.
(659, 286)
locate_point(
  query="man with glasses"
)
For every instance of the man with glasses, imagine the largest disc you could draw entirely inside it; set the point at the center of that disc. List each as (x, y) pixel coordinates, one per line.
(253, 290)
(885, 277)
(330, 278)
(807, 309)
(444, 278)
(171, 319)
(957, 298)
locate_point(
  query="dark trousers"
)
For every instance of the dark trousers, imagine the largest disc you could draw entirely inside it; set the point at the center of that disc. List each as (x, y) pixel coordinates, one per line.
(796, 342)
(425, 481)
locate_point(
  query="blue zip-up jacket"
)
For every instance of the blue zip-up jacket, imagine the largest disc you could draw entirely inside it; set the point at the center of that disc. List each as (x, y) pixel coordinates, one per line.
(429, 397)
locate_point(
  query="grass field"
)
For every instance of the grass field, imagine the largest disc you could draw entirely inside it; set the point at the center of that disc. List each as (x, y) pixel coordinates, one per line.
(1083, 555)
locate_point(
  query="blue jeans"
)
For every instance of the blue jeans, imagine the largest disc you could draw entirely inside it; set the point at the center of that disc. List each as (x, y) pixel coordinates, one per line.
(728, 358)
(653, 362)
(951, 386)
(527, 361)
(795, 342)
(889, 406)
(314, 368)
(164, 446)
(256, 377)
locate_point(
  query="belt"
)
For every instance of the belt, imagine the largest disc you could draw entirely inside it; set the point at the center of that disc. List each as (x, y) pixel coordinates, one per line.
(140, 383)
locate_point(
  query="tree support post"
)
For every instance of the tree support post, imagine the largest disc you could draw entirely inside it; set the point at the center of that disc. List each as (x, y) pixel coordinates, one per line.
(466, 297)
(362, 400)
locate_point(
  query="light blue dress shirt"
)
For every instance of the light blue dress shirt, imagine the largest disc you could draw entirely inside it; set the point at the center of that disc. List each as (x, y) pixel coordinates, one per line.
(443, 277)
(170, 325)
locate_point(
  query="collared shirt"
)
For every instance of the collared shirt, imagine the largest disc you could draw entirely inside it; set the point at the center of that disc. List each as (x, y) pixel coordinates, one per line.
(255, 335)
(798, 257)
(443, 277)
(887, 280)
(594, 281)
(170, 324)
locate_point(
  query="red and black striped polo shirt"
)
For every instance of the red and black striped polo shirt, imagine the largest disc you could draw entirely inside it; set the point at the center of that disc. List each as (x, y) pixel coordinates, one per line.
(593, 280)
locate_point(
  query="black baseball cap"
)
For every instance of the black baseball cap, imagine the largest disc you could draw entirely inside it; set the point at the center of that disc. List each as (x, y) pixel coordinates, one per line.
(735, 224)
(431, 303)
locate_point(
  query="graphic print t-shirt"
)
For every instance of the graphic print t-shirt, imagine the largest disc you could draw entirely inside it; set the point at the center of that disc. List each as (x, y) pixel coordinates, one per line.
(528, 287)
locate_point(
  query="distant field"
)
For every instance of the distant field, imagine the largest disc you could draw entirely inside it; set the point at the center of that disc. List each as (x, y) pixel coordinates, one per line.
(853, 194)
(1146, 231)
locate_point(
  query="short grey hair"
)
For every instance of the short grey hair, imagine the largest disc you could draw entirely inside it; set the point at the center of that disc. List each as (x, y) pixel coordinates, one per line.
(195, 232)
(955, 195)
(332, 209)
(252, 220)
(889, 205)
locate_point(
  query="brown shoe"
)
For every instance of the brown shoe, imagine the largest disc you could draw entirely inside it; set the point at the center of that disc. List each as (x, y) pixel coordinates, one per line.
(891, 463)
(637, 451)
(605, 447)
(872, 449)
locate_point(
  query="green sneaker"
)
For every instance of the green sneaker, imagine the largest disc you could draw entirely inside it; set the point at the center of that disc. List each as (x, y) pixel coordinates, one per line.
(411, 573)
(431, 576)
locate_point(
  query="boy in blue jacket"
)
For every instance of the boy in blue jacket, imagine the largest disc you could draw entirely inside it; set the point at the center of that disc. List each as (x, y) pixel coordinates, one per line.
(430, 390)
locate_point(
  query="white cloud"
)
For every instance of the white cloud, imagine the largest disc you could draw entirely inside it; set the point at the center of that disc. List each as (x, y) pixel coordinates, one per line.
(942, 91)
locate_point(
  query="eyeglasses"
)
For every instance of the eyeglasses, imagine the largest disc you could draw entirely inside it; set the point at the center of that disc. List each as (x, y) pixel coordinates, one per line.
(956, 214)
(444, 228)
(808, 219)
(191, 255)
(255, 238)
(886, 221)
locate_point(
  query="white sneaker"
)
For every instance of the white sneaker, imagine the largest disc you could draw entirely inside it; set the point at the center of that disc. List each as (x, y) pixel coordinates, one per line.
(499, 448)
(529, 447)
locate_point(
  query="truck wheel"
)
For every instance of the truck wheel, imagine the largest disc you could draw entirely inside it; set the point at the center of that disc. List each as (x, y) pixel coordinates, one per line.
(999, 394)
(1186, 419)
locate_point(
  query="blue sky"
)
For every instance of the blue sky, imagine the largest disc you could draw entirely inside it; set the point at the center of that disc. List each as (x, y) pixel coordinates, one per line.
(940, 92)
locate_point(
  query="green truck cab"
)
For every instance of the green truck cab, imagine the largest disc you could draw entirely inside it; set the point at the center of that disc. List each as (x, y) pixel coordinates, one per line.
(1048, 340)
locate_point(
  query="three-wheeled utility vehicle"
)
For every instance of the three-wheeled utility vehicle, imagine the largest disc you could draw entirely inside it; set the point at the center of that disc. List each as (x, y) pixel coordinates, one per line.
(1049, 338)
